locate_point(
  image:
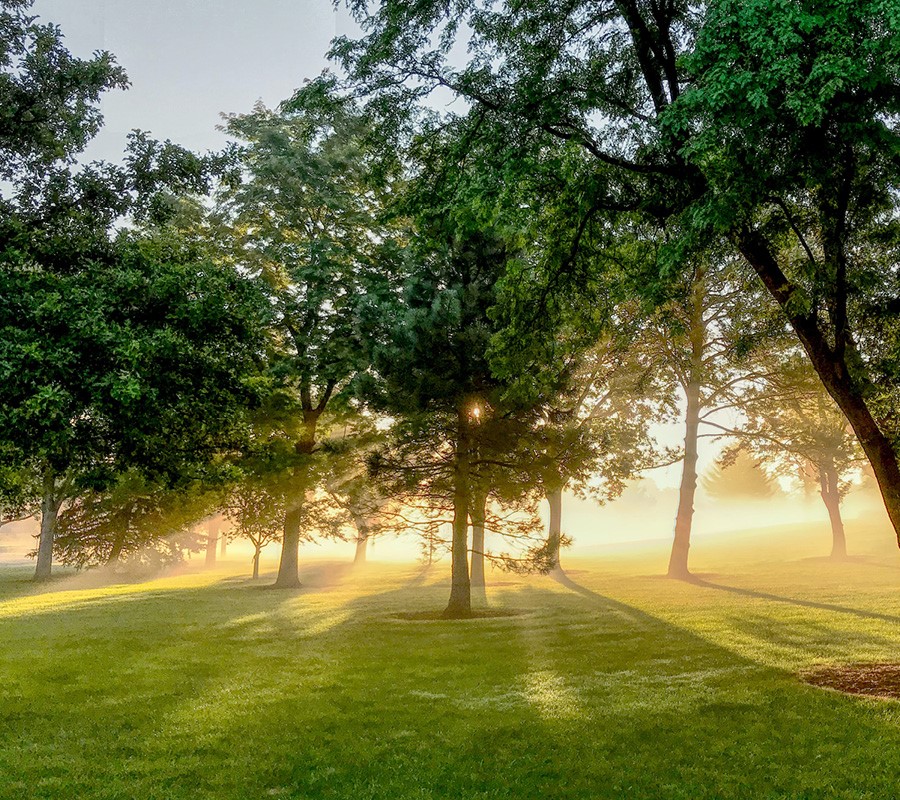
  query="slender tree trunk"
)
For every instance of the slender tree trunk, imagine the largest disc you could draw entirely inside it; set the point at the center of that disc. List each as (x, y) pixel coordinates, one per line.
(554, 530)
(50, 504)
(460, 604)
(256, 563)
(477, 513)
(362, 539)
(212, 539)
(223, 546)
(833, 370)
(684, 518)
(828, 480)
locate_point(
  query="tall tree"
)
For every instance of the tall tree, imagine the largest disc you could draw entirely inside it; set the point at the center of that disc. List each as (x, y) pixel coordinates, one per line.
(432, 374)
(305, 214)
(771, 126)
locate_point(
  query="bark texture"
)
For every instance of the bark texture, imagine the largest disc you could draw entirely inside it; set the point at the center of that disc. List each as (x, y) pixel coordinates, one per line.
(50, 504)
(831, 496)
(554, 529)
(684, 518)
(212, 539)
(460, 603)
(833, 365)
(477, 515)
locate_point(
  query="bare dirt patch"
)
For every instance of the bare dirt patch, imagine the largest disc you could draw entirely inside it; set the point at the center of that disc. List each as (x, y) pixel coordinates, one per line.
(873, 680)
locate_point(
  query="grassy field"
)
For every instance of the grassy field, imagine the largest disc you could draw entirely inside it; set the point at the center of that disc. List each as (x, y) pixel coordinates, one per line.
(613, 683)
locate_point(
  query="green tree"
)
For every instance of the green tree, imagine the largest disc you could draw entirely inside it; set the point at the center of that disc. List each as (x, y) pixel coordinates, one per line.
(48, 97)
(134, 522)
(306, 215)
(257, 515)
(773, 126)
(793, 428)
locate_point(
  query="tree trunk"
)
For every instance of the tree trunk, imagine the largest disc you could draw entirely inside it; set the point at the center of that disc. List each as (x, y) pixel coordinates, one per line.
(477, 513)
(833, 370)
(289, 565)
(684, 518)
(362, 539)
(212, 539)
(828, 479)
(256, 563)
(50, 504)
(460, 603)
(118, 546)
(223, 546)
(554, 530)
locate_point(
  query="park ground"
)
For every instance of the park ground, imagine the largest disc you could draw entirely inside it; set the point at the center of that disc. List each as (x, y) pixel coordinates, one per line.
(611, 683)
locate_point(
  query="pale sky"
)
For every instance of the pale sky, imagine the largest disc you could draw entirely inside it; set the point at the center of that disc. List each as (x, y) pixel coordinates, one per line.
(191, 60)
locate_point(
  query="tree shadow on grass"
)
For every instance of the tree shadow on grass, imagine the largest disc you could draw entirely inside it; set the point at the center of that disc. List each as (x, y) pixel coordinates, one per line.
(857, 612)
(219, 692)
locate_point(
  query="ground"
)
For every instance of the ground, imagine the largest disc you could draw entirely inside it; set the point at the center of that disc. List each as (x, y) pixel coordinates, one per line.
(613, 683)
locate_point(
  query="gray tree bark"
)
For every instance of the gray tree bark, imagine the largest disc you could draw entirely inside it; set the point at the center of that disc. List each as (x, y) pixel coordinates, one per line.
(460, 603)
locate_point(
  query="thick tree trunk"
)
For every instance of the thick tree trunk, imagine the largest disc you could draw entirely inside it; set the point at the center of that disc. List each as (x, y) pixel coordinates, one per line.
(50, 504)
(833, 370)
(256, 563)
(117, 548)
(477, 513)
(460, 603)
(828, 480)
(289, 565)
(212, 539)
(554, 529)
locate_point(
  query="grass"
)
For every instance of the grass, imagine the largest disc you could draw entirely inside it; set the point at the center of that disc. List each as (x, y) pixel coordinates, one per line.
(613, 684)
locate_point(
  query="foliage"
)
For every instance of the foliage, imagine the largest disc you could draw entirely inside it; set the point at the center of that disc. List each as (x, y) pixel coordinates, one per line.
(132, 524)
(738, 476)
(48, 96)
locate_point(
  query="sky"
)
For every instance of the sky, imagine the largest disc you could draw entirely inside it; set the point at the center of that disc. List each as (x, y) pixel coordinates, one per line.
(191, 60)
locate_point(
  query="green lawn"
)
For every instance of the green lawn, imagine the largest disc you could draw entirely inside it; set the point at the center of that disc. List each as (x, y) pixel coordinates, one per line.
(616, 684)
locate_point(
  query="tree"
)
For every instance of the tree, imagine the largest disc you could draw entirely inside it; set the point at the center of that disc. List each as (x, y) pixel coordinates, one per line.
(133, 522)
(142, 361)
(709, 331)
(453, 429)
(597, 431)
(805, 191)
(256, 513)
(48, 96)
(738, 475)
(794, 429)
(305, 215)
(119, 349)
(773, 127)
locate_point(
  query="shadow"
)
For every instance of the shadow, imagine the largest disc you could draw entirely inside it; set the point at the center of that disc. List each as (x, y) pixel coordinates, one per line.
(217, 691)
(696, 580)
(419, 578)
